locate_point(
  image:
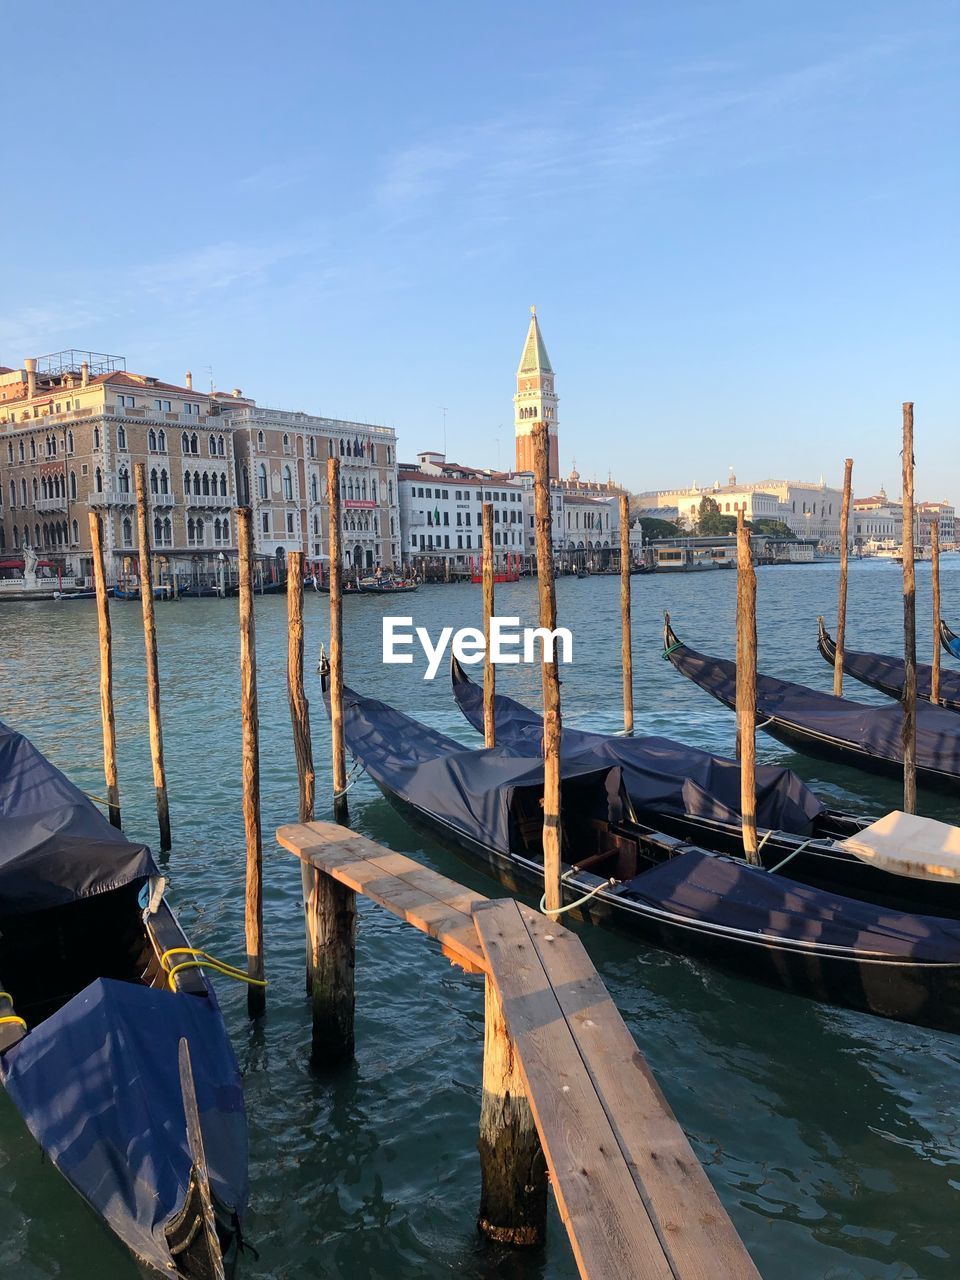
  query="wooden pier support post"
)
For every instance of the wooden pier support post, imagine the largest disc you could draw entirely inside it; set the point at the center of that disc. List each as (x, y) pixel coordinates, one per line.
(330, 908)
(550, 671)
(513, 1171)
(489, 676)
(250, 741)
(747, 689)
(106, 673)
(909, 727)
(844, 559)
(935, 568)
(300, 718)
(626, 630)
(153, 664)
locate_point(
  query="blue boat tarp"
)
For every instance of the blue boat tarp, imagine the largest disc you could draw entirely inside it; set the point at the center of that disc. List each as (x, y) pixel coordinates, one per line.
(98, 1085)
(660, 775)
(55, 846)
(473, 791)
(716, 890)
(886, 673)
(873, 730)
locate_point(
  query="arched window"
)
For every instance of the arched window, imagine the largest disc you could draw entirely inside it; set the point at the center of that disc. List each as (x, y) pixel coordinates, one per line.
(373, 490)
(260, 441)
(245, 477)
(194, 444)
(98, 480)
(157, 530)
(286, 443)
(287, 483)
(124, 480)
(350, 489)
(121, 438)
(206, 484)
(16, 537)
(216, 529)
(223, 484)
(341, 449)
(69, 442)
(13, 493)
(76, 533)
(313, 488)
(221, 447)
(213, 446)
(184, 442)
(161, 441)
(167, 531)
(43, 487)
(164, 482)
(191, 530)
(226, 528)
(186, 484)
(262, 481)
(36, 489)
(20, 450)
(152, 440)
(36, 535)
(316, 526)
(199, 530)
(33, 452)
(23, 491)
(154, 481)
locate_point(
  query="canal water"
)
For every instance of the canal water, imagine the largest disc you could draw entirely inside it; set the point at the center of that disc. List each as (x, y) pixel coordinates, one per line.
(833, 1138)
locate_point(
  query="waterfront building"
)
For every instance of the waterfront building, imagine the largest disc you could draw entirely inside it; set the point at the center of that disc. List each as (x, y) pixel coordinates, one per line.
(73, 425)
(945, 516)
(441, 512)
(282, 475)
(876, 523)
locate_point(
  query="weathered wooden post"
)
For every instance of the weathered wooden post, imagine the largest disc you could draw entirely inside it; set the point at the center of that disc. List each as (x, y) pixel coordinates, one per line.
(747, 688)
(106, 673)
(330, 908)
(935, 567)
(550, 672)
(299, 706)
(844, 564)
(513, 1209)
(336, 642)
(489, 671)
(626, 631)
(909, 728)
(250, 741)
(153, 664)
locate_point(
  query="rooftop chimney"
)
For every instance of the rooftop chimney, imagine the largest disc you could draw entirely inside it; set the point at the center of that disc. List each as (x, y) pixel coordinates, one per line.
(31, 367)
(188, 380)
(84, 373)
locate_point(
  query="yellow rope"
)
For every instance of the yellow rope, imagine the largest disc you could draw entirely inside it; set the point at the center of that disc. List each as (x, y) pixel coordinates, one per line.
(12, 1017)
(200, 960)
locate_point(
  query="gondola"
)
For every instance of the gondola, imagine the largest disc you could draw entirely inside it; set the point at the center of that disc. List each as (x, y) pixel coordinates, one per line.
(950, 640)
(94, 1020)
(695, 796)
(886, 674)
(835, 729)
(487, 804)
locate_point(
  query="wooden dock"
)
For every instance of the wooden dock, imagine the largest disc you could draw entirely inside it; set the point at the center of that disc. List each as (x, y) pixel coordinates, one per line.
(633, 1197)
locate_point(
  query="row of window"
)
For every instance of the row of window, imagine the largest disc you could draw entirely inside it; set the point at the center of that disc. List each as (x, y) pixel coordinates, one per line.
(356, 448)
(48, 535)
(427, 541)
(190, 407)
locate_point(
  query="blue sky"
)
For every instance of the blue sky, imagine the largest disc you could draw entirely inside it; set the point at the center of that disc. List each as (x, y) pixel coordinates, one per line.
(738, 221)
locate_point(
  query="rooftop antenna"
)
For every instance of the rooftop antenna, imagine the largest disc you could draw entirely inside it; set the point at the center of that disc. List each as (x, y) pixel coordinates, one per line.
(209, 369)
(443, 410)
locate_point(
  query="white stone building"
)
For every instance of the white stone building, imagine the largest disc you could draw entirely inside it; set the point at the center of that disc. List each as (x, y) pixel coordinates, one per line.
(441, 512)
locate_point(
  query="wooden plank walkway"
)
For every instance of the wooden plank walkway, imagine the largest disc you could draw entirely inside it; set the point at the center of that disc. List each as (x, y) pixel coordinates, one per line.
(436, 906)
(635, 1201)
(631, 1192)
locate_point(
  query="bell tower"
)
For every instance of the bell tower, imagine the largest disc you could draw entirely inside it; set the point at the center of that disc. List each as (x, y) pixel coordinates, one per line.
(535, 400)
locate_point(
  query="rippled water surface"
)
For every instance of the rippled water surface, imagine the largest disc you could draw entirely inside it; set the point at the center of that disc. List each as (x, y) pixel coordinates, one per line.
(832, 1137)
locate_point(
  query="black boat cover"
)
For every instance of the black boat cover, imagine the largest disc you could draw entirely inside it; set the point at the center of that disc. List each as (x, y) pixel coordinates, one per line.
(660, 775)
(55, 846)
(98, 1081)
(473, 791)
(716, 890)
(866, 729)
(887, 674)
(98, 1085)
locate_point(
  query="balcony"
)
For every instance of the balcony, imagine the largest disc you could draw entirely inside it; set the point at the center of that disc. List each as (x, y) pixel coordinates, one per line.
(112, 498)
(163, 500)
(50, 504)
(210, 501)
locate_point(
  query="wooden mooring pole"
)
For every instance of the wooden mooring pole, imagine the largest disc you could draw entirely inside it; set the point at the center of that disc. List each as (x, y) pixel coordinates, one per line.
(626, 630)
(513, 1171)
(935, 568)
(330, 907)
(550, 671)
(300, 718)
(106, 673)
(909, 727)
(489, 676)
(844, 559)
(153, 664)
(250, 743)
(747, 689)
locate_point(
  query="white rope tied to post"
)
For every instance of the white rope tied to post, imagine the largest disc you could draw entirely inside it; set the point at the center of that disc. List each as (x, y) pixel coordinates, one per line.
(559, 911)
